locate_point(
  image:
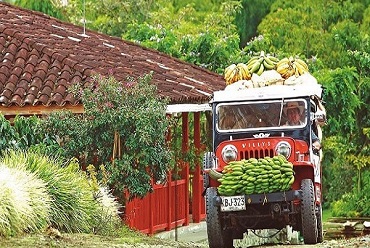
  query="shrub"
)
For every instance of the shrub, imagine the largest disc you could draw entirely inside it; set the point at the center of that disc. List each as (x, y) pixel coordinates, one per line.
(24, 202)
(73, 207)
(346, 207)
(124, 127)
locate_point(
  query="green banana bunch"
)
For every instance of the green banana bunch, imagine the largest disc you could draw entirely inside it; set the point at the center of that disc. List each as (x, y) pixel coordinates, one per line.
(259, 63)
(263, 175)
(230, 180)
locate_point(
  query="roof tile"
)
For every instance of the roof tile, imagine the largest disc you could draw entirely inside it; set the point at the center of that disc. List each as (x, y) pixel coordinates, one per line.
(42, 99)
(40, 57)
(30, 98)
(36, 82)
(17, 100)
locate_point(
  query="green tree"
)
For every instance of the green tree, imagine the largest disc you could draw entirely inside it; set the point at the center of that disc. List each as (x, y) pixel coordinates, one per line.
(111, 16)
(52, 8)
(123, 127)
(249, 18)
(209, 41)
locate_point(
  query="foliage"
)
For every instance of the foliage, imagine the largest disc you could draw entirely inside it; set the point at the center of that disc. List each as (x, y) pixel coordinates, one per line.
(314, 29)
(124, 127)
(355, 203)
(8, 136)
(110, 16)
(26, 132)
(345, 206)
(74, 206)
(72, 202)
(107, 211)
(212, 45)
(249, 17)
(24, 202)
(191, 156)
(338, 172)
(340, 93)
(50, 7)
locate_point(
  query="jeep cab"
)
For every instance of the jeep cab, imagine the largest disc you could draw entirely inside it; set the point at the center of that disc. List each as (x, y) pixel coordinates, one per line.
(253, 124)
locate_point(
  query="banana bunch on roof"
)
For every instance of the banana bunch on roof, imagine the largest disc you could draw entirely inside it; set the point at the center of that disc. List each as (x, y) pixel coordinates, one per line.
(288, 67)
(262, 62)
(236, 72)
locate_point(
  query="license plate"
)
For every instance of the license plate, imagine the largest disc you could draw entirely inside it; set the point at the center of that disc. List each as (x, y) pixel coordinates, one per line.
(233, 203)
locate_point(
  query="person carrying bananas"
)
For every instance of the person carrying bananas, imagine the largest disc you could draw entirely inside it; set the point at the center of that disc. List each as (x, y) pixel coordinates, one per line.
(294, 111)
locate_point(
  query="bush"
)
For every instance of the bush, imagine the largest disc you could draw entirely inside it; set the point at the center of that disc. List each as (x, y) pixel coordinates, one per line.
(74, 206)
(347, 206)
(356, 202)
(24, 202)
(124, 127)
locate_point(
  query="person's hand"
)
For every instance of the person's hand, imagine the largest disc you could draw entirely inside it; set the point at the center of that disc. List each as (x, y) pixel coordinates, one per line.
(316, 146)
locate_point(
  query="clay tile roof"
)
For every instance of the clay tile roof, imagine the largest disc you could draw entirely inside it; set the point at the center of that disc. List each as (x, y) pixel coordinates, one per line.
(40, 57)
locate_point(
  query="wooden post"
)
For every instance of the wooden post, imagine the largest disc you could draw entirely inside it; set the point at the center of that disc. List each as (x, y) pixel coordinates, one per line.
(151, 214)
(185, 167)
(169, 186)
(197, 186)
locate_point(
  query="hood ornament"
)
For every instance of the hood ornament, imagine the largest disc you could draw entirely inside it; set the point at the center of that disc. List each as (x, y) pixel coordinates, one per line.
(261, 135)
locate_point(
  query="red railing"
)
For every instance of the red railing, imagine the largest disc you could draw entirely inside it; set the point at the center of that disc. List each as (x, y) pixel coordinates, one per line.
(167, 206)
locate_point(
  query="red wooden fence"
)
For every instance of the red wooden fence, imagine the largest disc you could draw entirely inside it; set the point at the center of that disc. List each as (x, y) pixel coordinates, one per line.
(165, 208)
(171, 204)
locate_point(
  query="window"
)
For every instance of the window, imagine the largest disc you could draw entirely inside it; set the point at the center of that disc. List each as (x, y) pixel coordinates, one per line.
(260, 115)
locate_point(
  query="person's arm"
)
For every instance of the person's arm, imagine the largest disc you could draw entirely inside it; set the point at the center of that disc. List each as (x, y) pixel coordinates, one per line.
(316, 145)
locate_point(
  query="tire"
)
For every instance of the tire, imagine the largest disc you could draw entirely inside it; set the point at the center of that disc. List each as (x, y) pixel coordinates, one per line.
(308, 212)
(217, 237)
(207, 163)
(205, 181)
(320, 231)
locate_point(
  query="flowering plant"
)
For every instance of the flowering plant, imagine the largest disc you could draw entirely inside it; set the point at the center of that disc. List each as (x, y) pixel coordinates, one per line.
(123, 127)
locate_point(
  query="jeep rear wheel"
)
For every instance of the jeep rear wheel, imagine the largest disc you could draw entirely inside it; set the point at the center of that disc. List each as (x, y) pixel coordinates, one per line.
(217, 237)
(308, 212)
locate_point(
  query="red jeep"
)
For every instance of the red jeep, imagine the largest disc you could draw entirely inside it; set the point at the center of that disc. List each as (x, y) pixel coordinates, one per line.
(253, 124)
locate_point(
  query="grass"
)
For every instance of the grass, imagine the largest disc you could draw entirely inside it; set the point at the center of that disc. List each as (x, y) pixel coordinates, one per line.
(124, 237)
(74, 206)
(24, 202)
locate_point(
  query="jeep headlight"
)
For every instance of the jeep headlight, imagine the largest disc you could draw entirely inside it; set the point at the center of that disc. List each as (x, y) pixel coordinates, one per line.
(283, 148)
(229, 153)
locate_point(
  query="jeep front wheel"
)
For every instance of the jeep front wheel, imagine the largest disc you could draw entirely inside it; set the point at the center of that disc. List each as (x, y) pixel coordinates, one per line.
(217, 236)
(308, 212)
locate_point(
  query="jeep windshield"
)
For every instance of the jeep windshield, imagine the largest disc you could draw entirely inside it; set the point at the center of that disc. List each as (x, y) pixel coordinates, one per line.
(261, 115)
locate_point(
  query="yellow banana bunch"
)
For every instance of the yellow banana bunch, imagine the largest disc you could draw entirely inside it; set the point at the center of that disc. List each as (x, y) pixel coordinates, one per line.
(230, 74)
(258, 64)
(234, 73)
(300, 66)
(243, 70)
(288, 67)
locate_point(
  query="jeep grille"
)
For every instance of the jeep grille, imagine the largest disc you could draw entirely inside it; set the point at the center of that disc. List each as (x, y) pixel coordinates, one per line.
(258, 153)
